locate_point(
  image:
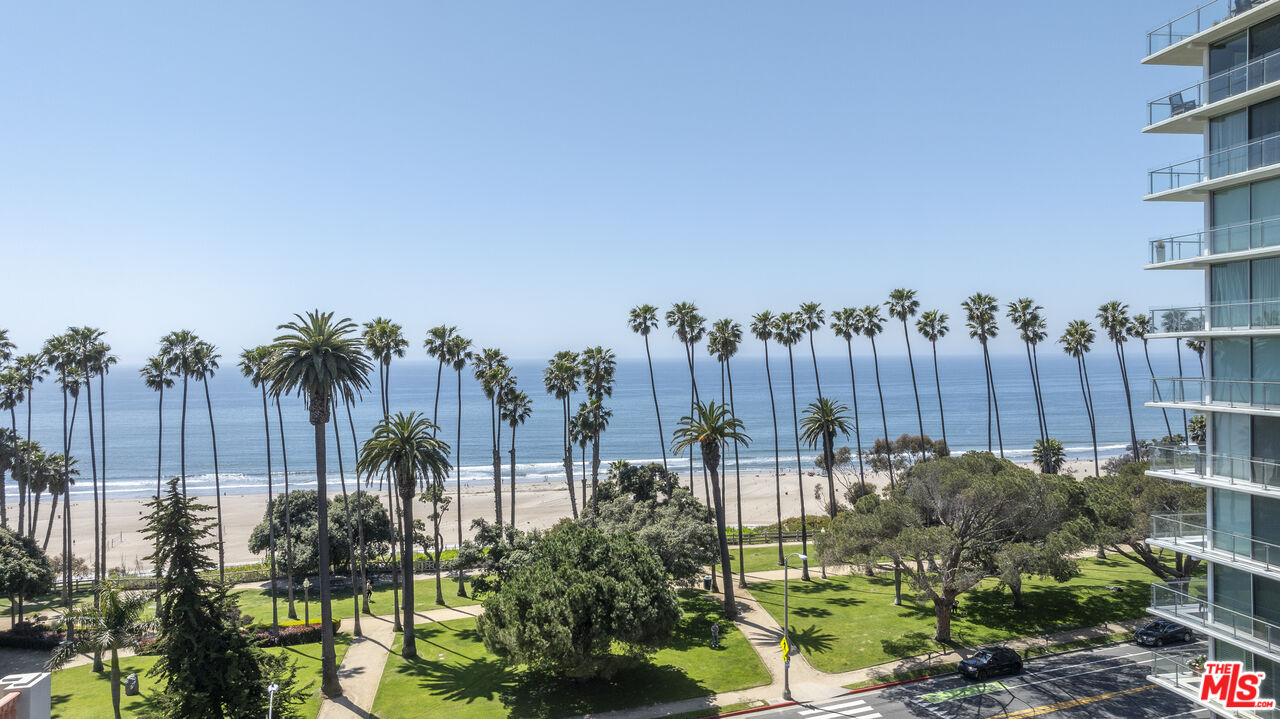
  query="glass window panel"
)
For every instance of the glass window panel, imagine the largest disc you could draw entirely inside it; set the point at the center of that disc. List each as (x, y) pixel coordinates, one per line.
(1232, 519)
(1230, 443)
(1228, 291)
(1271, 682)
(1264, 290)
(1266, 449)
(1265, 512)
(1232, 589)
(1224, 56)
(1225, 652)
(1232, 208)
(1228, 136)
(1266, 602)
(1264, 38)
(1265, 370)
(1264, 204)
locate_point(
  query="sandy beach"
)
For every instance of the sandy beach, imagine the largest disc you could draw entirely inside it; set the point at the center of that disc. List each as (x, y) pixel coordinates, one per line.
(538, 505)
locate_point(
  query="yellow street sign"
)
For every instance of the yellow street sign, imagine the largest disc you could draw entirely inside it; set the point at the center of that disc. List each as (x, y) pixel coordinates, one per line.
(786, 649)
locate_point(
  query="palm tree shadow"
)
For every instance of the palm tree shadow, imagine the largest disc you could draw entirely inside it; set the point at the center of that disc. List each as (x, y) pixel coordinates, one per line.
(484, 679)
(811, 639)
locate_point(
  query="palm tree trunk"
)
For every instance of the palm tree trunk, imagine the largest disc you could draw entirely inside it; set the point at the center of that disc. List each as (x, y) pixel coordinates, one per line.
(795, 423)
(1035, 393)
(328, 659)
(1088, 410)
(657, 411)
(435, 538)
(409, 648)
(1168, 428)
(777, 450)
(288, 514)
(495, 450)
(160, 468)
(857, 424)
(66, 511)
(355, 447)
(48, 529)
(513, 478)
(457, 467)
(938, 383)
(357, 589)
(182, 437)
(271, 516)
(393, 507)
(595, 465)
(914, 389)
(115, 682)
(884, 421)
(737, 481)
(730, 606)
(102, 433)
(995, 400)
(814, 354)
(568, 460)
(99, 550)
(1128, 400)
(1186, 431)
(1035, 371)
(217, 486)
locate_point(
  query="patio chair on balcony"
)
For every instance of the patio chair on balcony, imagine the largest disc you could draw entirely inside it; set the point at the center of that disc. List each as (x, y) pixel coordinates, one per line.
(1177, 105)
(1240, 6)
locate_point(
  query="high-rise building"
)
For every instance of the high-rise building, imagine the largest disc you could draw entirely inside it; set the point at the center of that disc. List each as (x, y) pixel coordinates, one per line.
(1233, 380)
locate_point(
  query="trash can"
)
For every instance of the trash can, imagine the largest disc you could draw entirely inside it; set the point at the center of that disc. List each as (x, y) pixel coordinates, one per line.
(706, 582)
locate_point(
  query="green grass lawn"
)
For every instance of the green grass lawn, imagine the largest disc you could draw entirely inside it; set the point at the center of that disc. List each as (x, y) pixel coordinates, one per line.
(471, 683)
(849, 622)
(46, 605)
(257, 602)
(78, 693)
(760, 557)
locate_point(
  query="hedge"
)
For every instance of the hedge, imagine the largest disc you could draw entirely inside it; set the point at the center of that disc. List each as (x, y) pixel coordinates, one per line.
(291, 633)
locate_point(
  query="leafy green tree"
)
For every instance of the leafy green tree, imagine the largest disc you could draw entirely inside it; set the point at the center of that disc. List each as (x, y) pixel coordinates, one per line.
(118, 622)
(25, 571)
(762, 325)
(1120, 506)
(493, 554)
(905, 451)
(676, 527)
(599, 365)
(710, 427)
(1076, 341)
(1050, 455)
(980, 318)
(405, 448)
(582, 605)
(1197, 346)
(932, 325)
(178, 349)
(642, 320)
(208, 667)
(34, 368)
(1049, 559)
(644, 482)
(823, 420)
(304, 515)
(319, 359)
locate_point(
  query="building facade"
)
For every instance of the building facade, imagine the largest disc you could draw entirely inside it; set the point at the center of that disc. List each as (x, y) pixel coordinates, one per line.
(1235, 383)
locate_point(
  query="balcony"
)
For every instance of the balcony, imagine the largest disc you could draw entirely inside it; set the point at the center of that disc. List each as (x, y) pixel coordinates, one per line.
(1182, 40)
(1189, 464)
(1192, 180)
(1218, 395)
(1173, 602)
(1208, 319)
(1221, 243)
(1175, 673)
(1189, 534)
(1188, 109)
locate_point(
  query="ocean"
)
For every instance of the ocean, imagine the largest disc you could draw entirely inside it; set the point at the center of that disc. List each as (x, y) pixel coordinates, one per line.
(131, 412)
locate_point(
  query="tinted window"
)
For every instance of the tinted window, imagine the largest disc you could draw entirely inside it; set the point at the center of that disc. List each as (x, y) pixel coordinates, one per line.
(1228, 54)
(1264, 38)
(1264, 119)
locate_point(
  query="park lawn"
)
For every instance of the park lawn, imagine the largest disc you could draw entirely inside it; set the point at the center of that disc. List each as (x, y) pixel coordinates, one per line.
(471, 683)
(78, 693)
(849, 622)
(760, 557)
(47, 605)
(257, 602)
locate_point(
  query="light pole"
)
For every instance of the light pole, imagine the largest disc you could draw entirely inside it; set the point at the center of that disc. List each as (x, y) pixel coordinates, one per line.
(306, 600)
(272, 688)
(786, 623)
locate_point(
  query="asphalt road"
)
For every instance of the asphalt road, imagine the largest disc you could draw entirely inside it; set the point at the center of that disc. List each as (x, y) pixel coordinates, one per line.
(1104, 683)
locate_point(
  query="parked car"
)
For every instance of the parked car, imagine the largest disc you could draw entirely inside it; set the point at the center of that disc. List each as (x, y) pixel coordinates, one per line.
(991, 662)
(1161, 632)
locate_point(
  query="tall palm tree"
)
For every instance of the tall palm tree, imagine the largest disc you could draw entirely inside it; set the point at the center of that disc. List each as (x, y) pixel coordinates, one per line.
(560, 379)
(252, 363)
(60, 477)
(34, 368)
(1025, 316)
(823, 420)
(12, 393)
(980, 318)
(688, 327)
(903, 305)
(288, 512)
(459, 355)
(725, 339)
(1076, 341)
(593, 422)
(405, 446)
(845, 323)
(710, 427)
(82, 341)
(1113, 317)
(318, 358)
(762, 324)
(364, 574)
(437, 346)
(598, 368)
(812, 318)
(384, 340)
(117, 623)
(6, 347)
(580, 434)
(58, 354)
(788, 330)
(1139, 327)
(1174, 321)
(870, 323)
(101, 361)
(204, 363)
(642, 320)
(492, 372)
(517, 408)
(357, 588)
(177, 349)
(932, 325)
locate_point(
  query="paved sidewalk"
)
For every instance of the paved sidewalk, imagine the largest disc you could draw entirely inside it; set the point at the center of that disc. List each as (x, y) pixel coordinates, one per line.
(361, 671)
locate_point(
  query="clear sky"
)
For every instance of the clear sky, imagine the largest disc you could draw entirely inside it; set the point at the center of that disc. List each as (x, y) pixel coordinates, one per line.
(530, 170)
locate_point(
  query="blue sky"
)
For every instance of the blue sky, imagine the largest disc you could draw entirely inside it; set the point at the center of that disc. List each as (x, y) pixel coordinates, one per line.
(530, 170)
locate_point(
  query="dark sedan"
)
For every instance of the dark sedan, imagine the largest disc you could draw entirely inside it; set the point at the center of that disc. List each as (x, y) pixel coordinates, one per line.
(991, 662)
(1162, 632)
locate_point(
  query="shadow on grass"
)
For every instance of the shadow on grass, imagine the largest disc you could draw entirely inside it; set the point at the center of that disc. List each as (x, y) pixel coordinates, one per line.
(811, 639)
(911, 644)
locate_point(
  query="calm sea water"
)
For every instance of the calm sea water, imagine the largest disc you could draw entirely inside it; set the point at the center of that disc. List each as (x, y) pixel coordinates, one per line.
(131, 411)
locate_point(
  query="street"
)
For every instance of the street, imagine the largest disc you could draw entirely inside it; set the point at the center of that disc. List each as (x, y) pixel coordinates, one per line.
(1105, 683)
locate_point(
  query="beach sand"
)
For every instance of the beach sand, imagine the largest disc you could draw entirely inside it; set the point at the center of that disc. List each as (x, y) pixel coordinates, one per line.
(538, 505)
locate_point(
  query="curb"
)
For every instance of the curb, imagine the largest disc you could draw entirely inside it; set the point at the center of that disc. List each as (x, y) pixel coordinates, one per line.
(886, 685)
(779, 705)
(751, 710)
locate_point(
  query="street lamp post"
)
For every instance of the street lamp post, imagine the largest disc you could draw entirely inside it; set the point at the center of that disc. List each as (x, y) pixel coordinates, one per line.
(306, 600)
(272, 688)
(786, 624)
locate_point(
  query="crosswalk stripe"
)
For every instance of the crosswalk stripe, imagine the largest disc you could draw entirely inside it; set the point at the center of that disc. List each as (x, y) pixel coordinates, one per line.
(855, 712)
(833, 707)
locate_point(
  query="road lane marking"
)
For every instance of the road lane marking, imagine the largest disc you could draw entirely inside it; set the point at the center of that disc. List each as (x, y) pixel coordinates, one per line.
(833, 707)
(970, 690)
(857, 713)
(1070, 703)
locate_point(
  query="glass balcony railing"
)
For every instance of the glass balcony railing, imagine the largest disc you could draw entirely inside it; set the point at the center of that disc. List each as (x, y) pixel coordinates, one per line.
(1231, 471)
(1233, 238)
(1196, 21)
(1243, 394)
(1258, 314)
(1183, 673)
(1233, 160)
(1253, 74)
(1187, 605)
(1189, 533)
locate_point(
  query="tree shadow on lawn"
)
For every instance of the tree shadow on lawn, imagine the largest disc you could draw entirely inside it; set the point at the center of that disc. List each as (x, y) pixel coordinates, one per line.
(536, 696)
(811, 639)
(1053, 607)
(911, 644)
